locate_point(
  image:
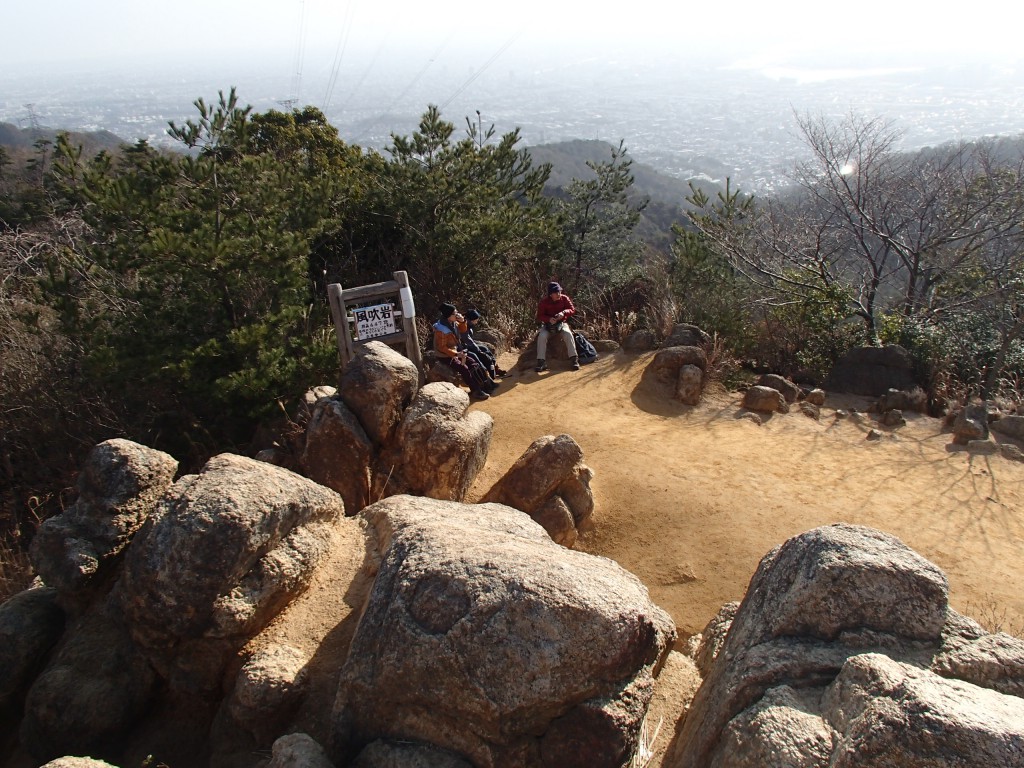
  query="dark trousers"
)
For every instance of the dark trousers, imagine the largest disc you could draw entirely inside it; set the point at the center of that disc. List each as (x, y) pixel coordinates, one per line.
(472, 373)
(482, 356)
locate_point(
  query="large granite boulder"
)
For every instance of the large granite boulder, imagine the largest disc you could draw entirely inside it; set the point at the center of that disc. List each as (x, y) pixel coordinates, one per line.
(31, 623)
(1010, 426)
(643, 340)
(439, 448)
(268, 689)
(404, 754)
(483, 637)
(844, 652)
(686, 335)
(226, 550)
(872, 371)
(890, 713)
(91, 694)
(377, 385)
(551, 484)
(677, 372)
(765, 400)
(338, 453)
(789, 390)
(971, 423)
(118, 487)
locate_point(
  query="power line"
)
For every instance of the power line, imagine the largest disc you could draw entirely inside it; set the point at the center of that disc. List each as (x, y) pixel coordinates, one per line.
(339, 53)
(412, 84)
(482, 69)
(300, 53)
(295, 90)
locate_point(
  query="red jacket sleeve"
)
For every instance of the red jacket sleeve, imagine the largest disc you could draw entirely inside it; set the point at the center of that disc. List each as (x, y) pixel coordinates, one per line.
(547, 308)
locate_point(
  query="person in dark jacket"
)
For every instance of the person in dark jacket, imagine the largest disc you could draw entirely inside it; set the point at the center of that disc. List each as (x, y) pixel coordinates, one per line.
(552, 312)
(478, 350)
(448, 332)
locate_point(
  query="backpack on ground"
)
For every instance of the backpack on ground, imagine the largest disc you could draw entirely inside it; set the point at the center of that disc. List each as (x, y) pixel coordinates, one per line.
(584, 349)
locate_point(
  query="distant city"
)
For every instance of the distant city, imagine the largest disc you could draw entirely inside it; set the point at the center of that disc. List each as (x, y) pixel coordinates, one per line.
(681, 120)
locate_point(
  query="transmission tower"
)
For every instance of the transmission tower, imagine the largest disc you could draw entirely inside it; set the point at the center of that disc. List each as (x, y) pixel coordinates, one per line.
(33, 120)
(300, 50)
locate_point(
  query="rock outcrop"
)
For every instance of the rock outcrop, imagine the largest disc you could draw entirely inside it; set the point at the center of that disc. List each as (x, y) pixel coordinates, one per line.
(484, 638)
(872, 371)
(439, 448)
(765, 400)
(551, 484)
(843, 653)
(118, 487)
(678, 372)
(377, 385)
(686, 335)
(789, 390)
(223, 552)
(226, 550)
(971, 423)
(398, 439)
(31, 624)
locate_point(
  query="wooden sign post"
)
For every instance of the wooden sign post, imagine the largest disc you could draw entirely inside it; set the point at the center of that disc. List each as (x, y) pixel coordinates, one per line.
(379, 312)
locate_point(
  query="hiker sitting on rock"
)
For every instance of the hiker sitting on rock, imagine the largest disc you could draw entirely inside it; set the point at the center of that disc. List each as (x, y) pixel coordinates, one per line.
(552, 312)
(448, 332)
(478, 350)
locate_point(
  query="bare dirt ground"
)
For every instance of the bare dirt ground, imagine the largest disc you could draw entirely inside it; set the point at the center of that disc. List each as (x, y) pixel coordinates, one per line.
(690, 499)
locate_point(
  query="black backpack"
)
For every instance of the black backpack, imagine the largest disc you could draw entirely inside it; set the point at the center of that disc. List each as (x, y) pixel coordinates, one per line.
(584, 349)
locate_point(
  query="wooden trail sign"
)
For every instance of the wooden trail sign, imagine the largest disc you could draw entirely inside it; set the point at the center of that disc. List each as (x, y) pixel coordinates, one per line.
(379, 312)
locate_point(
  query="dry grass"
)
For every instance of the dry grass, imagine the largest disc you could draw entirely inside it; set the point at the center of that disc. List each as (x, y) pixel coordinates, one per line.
(995, 618)
(15, 569)
(645, 748)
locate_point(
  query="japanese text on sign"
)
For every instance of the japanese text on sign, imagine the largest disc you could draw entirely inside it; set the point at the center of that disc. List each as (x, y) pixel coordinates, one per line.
(371, 322)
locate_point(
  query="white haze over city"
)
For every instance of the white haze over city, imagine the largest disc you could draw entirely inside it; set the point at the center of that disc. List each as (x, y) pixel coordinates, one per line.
(673, 80)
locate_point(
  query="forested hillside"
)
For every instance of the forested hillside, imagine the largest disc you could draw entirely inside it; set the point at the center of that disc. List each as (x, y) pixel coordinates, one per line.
(179, 298)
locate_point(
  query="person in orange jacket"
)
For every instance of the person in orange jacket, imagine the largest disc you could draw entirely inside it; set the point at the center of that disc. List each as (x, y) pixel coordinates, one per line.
(448, 332)
(551, 314)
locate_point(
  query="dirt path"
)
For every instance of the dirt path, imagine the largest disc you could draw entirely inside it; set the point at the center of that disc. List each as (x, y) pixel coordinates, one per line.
(690, 500)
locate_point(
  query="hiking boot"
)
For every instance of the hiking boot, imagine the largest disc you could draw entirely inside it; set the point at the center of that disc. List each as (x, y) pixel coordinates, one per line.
(490, 386)
(541, 366)
(574, 363)
(500, 372)
(479, 394)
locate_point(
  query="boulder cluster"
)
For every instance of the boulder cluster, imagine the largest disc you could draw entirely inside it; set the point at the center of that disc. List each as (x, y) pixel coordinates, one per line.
(845, 652)
(170, 620)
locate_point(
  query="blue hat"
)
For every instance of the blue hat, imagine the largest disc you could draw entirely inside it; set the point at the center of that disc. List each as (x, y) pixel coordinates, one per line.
(554, 287)
(472, 314)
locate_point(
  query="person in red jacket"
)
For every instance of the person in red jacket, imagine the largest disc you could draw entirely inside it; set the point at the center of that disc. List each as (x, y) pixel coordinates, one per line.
(552, 312)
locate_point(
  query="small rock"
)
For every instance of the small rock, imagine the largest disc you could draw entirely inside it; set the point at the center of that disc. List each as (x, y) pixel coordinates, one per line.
(1011, 452)
(893, 418)
(810, 410)
(983, 447)
(816, 397)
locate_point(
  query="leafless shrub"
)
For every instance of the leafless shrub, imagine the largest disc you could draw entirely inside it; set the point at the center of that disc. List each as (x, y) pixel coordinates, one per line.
(722, 367)
(996, 618)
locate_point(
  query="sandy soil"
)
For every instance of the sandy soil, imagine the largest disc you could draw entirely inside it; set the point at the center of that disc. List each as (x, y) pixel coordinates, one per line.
(690, 499)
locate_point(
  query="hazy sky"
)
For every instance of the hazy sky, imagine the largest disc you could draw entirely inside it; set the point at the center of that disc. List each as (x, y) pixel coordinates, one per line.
(92, 33)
